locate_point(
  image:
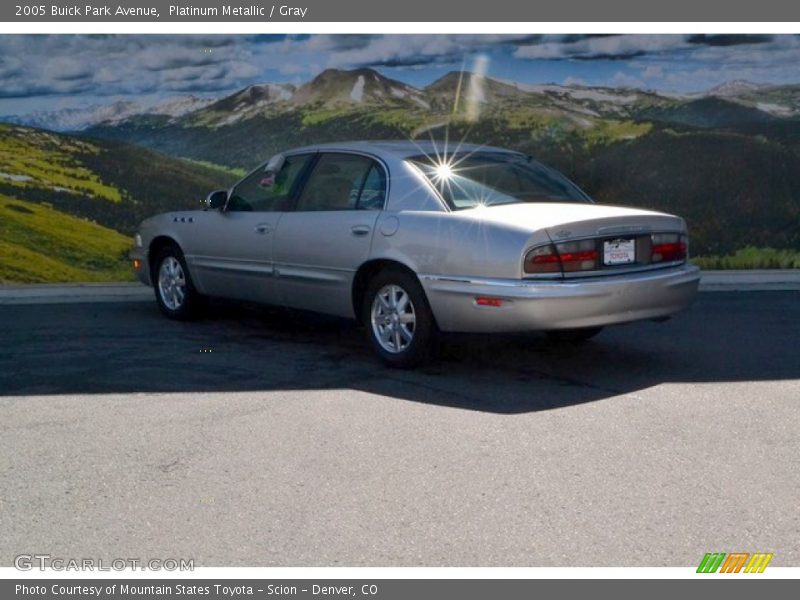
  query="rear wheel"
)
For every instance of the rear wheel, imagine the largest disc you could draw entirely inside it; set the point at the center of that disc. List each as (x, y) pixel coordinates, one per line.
(175, 293)
(573, 336)
(399, 323)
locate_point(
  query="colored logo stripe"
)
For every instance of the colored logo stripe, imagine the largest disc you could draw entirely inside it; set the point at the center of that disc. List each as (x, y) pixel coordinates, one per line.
(734, 562)
(758, 562)
(711, 562)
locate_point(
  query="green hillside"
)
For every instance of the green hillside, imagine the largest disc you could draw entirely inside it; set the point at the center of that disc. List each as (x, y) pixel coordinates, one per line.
(39, 244)
(68, 205)
(31, 159)
(708, 113)
(113, 183)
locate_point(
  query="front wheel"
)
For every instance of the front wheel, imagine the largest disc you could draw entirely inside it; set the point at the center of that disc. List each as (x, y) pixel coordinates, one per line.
(399, 323)
(175, 293)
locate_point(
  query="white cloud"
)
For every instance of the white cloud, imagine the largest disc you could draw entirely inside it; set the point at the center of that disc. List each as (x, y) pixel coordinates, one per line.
(407, 51)
(66, 68)
(621, 79)
(575, 81)
(653, 71)
(109, 65)
(615, 46)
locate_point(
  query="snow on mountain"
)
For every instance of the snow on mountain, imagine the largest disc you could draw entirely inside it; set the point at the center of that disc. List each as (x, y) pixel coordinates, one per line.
(78, 119)
(244, 104)
(357, 93)
(178, 106)
(256, 96)
(737, 87)
(602, 96)
(775, 109)
(358, 86)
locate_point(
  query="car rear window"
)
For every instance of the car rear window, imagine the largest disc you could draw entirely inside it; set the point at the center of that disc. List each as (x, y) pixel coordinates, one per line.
(471, 179)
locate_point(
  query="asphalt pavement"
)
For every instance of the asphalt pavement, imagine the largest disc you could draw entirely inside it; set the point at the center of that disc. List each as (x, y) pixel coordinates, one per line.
(265, 438)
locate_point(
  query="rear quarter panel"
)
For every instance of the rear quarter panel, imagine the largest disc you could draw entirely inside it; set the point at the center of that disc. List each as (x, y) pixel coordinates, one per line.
(451, 244)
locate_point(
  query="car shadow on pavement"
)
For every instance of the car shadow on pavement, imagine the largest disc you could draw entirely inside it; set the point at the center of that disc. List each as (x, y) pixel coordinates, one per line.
(129, 347)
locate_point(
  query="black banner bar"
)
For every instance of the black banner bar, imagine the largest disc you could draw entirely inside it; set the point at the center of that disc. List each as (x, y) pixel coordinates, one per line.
(408, 11)
(392, 589)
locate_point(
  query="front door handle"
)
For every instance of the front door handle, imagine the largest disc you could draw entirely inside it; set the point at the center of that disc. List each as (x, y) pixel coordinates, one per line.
(263, 228)
(360, 230)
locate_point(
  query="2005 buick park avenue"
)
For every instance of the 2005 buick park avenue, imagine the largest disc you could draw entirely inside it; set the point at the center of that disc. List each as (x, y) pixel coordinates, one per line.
(412, 241)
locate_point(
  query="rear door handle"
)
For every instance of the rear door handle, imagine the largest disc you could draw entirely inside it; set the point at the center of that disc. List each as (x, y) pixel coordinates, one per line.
(360, 230)
(263, 228)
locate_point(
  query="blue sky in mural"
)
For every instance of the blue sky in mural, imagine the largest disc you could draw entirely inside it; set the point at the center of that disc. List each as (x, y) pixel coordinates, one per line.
(51, 72)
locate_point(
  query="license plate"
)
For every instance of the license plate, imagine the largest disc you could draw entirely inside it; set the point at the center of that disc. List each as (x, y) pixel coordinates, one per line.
(619, 252)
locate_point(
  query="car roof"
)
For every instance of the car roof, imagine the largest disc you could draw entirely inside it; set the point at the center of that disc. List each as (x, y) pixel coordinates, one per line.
(400, 149)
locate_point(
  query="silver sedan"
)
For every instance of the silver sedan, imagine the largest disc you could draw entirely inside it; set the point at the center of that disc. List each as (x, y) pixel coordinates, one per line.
(415, 238)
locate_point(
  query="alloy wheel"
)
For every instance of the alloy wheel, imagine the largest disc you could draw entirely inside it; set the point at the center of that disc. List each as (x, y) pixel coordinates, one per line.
(171, 283)
(393, 318)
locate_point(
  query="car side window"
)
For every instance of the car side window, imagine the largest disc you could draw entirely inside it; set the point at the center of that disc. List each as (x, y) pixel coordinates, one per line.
(343, 182)
(373, 190)
(263, 191)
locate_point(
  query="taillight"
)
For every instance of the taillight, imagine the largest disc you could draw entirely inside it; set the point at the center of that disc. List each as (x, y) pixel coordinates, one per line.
(565, 257)
(542, 260)
(578, 256)
(668, 247)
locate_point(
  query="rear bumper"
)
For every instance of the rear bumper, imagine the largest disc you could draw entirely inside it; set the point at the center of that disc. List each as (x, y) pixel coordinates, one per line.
(545, 305)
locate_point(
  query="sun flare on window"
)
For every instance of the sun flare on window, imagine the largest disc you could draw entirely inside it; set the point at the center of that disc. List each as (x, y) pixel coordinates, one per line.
(443, 170)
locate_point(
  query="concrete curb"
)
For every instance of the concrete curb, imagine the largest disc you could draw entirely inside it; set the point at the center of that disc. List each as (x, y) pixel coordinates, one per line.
(71, 293)
(712, 281)
(766, 280)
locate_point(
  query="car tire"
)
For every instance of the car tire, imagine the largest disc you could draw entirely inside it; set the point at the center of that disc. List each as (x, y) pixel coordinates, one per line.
(573, 336)
(398, 320)
(176, 296)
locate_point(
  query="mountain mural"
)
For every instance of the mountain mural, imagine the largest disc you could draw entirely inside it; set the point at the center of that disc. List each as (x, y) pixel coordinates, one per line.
(375, 104)
(728, 160)
(738, 101)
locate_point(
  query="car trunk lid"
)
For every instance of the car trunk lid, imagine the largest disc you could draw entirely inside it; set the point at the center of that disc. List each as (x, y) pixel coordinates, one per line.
(621, 237)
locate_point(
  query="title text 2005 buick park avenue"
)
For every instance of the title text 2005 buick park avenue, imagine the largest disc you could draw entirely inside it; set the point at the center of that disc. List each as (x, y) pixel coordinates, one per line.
(413, 241)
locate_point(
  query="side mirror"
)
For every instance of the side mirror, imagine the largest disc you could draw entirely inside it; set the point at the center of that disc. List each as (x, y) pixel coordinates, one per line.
(275, 163)
(217, 199)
